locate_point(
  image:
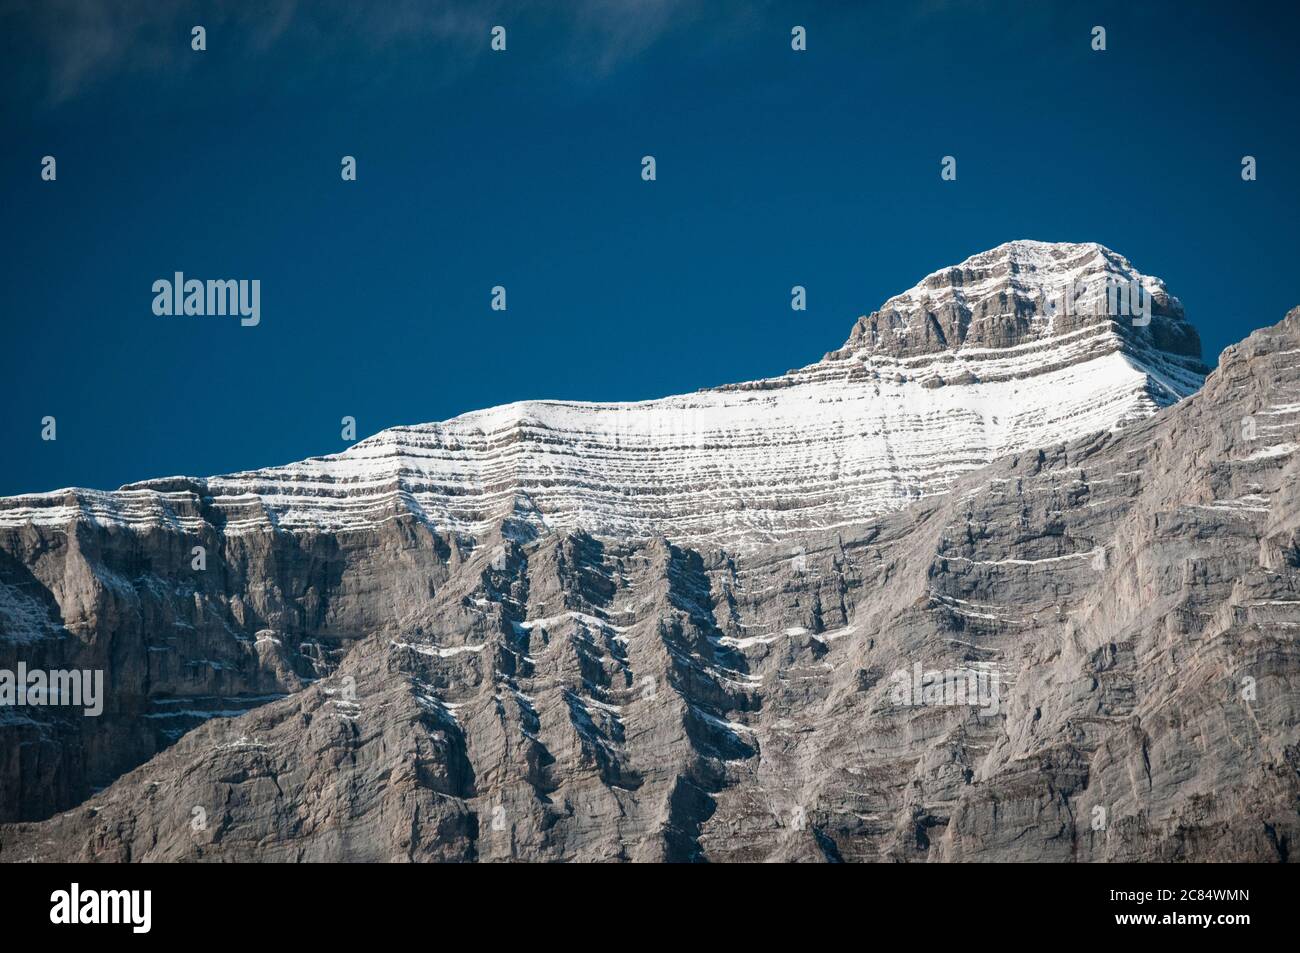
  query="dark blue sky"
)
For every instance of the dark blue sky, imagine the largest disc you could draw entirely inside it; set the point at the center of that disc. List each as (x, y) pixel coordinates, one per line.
(775, 168)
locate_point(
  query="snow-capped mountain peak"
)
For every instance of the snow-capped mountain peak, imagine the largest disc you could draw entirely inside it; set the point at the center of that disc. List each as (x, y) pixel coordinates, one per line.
(1016, 347)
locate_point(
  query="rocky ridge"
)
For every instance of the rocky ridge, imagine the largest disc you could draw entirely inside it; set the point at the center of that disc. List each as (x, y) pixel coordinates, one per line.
(542, 690)
(968, 366)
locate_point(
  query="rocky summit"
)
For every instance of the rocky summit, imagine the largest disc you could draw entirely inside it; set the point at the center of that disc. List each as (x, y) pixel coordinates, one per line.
(1005, 577)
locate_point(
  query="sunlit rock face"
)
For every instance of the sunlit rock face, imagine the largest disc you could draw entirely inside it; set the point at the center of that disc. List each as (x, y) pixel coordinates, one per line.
(690, 629)
(1014, 348)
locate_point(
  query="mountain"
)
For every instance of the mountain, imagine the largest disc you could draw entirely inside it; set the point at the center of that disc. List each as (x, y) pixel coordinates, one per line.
(963, 368)
(690, 629)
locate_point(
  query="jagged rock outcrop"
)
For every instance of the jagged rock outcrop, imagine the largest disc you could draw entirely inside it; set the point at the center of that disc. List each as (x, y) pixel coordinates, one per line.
(542, 683)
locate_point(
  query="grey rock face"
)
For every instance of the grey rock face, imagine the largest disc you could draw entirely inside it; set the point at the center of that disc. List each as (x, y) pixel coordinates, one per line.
(998, 299)
(1127, 604)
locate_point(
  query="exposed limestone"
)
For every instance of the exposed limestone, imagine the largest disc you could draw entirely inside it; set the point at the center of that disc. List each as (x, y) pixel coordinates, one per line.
(550, 693)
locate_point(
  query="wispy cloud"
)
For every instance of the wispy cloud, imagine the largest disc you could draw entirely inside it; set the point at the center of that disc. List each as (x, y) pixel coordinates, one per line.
(83, 42)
